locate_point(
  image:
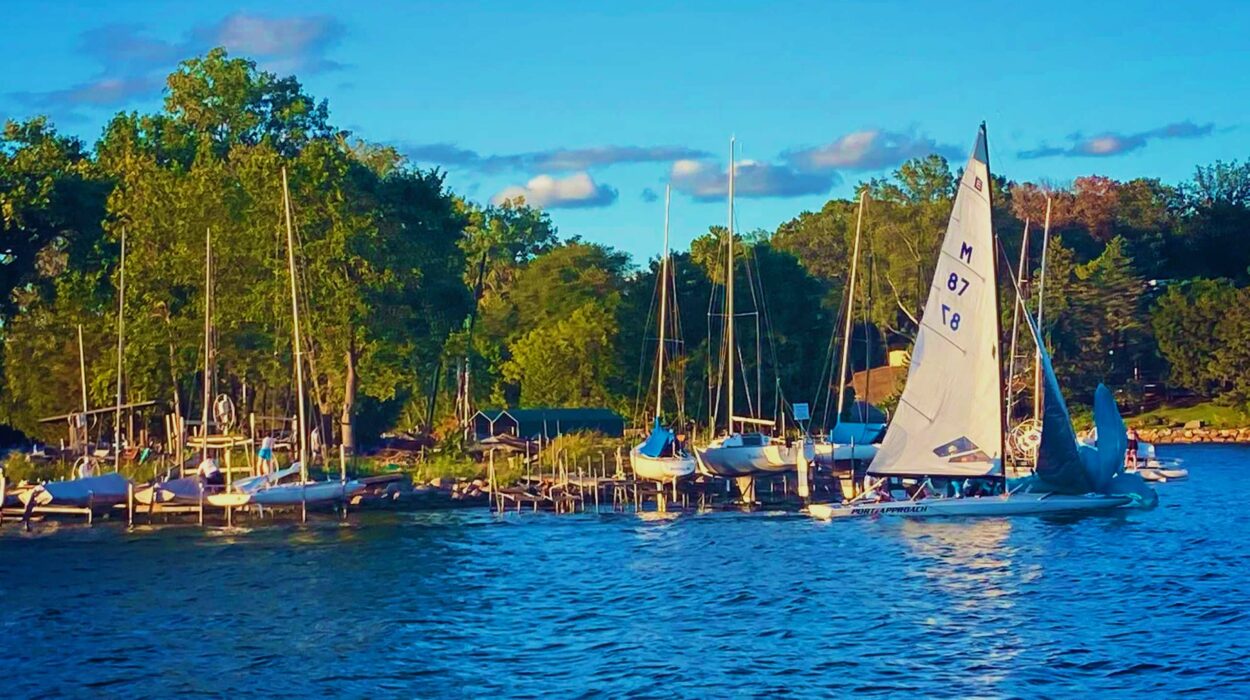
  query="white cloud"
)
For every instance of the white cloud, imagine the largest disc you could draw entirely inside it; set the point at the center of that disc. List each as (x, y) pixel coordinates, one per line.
(871, 149)
(576, 190)
(705, 180)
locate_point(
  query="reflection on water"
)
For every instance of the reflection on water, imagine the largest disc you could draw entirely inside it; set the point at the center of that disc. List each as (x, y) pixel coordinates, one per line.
(466, 603)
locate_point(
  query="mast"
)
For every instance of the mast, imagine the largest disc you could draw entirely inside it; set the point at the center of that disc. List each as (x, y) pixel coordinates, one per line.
(121, 335)
(82, 375)
(850, 307)
(208, 337)
(299, 348)
(1015, 317)
(1041, 297)
(998, 324)
(729, 290)
(659, 372)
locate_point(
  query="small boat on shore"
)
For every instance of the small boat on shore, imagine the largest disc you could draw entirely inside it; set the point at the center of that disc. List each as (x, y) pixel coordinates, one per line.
(182, 491)
(97, 493)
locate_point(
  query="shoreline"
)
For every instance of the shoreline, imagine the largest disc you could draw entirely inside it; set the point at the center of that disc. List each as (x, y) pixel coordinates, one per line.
(1189, 436)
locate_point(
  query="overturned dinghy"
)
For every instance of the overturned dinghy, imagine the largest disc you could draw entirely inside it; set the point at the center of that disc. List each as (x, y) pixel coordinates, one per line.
(951, 419)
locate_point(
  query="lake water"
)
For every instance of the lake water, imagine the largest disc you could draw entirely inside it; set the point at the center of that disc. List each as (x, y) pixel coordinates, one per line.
(467, 604)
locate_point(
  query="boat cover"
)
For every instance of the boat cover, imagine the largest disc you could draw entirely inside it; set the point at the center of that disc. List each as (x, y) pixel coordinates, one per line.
(858, 433)
(657, 442)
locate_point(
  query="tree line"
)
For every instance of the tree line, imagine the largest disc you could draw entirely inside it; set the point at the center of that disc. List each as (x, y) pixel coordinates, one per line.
(402, 278)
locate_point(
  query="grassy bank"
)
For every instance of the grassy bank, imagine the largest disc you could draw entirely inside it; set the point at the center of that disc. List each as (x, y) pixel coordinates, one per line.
(1212, 415)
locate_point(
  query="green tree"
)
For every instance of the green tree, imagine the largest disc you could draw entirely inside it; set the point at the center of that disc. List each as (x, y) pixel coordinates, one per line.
(567, 361)
(1186, 321)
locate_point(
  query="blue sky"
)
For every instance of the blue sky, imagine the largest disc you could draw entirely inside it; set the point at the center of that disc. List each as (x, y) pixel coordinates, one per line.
(592, 107)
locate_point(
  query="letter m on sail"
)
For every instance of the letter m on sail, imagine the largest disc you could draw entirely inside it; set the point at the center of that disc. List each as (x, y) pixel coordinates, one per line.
(965, 252)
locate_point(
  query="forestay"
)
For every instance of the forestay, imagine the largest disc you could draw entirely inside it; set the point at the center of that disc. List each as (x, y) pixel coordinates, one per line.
(949, 417)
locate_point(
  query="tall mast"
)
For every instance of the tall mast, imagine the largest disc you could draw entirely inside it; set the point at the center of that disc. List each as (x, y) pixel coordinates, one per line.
(208, 338)
(1015, 316)
(659, 372)
(729, 290)
(998, 323)
(299, 348)
(850, 308)
(121, 345)
(1041, 297)
(850, 311)
(82, 375)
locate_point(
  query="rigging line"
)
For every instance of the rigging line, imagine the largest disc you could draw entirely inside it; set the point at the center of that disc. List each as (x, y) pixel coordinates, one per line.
(762, 309)
(831, 361)
(639, 403)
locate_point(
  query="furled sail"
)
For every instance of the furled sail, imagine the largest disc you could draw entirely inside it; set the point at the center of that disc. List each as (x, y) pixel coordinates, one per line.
(949, 417)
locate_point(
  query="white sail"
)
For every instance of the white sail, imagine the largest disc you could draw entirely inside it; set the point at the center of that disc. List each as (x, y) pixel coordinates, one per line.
(949, 417)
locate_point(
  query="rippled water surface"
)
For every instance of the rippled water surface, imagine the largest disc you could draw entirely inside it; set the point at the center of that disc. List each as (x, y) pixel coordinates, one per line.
(466, 604)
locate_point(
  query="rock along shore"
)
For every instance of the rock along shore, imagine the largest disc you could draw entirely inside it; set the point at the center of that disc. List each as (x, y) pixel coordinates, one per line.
(1188, 435)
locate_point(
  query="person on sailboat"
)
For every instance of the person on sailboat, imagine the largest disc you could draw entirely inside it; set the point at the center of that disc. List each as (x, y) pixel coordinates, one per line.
(210, 474)
(266, 463)
(679, 443)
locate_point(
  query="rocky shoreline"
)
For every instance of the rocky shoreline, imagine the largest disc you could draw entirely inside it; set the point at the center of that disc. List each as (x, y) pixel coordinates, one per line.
(1193, 434)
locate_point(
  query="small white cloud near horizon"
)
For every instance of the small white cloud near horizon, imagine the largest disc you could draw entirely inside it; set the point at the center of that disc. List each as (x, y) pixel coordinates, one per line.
(868, 150)
(705, 180)
(578, 190)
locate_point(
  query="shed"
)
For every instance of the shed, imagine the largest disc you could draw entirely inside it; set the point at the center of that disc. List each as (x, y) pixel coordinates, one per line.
(530, 423)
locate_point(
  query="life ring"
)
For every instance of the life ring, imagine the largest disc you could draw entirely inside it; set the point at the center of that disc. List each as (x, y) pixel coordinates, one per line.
(85, 467)
(1026, 437)
(223, 411)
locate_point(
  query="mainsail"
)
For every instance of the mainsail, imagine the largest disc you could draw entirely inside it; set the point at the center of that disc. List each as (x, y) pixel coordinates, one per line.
(949, 420)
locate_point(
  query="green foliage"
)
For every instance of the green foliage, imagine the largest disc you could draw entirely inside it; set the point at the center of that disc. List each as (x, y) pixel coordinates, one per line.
(567, 361)
(1186, 321)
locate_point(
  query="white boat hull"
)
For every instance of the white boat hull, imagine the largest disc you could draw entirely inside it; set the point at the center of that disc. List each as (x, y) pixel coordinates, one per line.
(750, 460)
(828, 453)
(90, 492)
(1159, 474)
(317, 492)
(661, 468)
(184, 491)
(1016, 504)
(288, 494)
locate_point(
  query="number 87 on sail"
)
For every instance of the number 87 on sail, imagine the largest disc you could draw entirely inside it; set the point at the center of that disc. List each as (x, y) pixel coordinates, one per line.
(957, 294)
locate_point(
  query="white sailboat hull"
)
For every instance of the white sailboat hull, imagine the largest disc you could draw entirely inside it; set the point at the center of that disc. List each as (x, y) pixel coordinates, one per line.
(828, 453)
(318, 492)
(749, 460)
(1016, 504)
(661, 468)
(93, 492)
(1160, 474)
(184, 491)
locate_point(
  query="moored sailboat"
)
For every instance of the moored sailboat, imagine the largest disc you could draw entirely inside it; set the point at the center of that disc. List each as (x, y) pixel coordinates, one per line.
(947, 435)
(744, 454)
(662, 457)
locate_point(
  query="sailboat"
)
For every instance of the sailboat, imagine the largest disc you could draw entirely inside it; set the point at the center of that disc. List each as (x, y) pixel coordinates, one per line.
(744, 454)
(89, 490)
(851, 442)
(661, 457)
(274, 489)
(947, 435)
